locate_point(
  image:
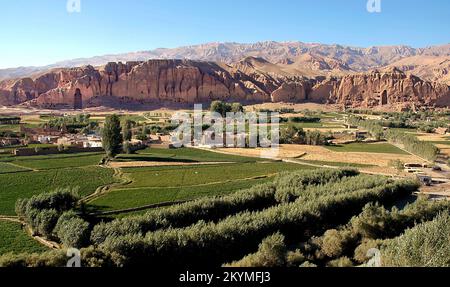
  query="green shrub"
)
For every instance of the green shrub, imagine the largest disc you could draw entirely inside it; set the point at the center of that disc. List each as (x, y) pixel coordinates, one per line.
(340, 262)
(271, 253)
(42, 211)
(335, 243)
(55, 258)
(72, 231)
(426, 245)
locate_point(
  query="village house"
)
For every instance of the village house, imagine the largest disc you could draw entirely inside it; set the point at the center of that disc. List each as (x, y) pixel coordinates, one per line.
(47, 139)
(93, 142)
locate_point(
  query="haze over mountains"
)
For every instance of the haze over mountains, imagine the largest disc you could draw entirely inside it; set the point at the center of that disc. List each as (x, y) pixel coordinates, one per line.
(306, 59)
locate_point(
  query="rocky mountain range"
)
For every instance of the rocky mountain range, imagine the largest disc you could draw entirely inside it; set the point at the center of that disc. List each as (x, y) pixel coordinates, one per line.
(254, 73)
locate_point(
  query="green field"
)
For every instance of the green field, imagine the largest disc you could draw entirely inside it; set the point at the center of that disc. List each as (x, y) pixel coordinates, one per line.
(9, 128)
(14, 239)
(130, 198)
(367, 147)
(196, 175)
(27, 184)
(184, 155)
(10, 168)
(320, 125)
(332, 163)
(441, 142)
(152, 185)
(57, 161)
(50, 172)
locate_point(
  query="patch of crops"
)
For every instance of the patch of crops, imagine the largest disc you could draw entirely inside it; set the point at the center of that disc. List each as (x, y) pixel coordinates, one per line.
(14, 239)
(367, 147)
(59, 161)
(189, 154)
(189, 175)
(131, 198)
(27, 184)
(10, 168)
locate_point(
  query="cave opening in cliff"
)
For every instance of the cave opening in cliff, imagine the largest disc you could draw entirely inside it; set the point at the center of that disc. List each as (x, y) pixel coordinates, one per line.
(384, 98)
(78, 100)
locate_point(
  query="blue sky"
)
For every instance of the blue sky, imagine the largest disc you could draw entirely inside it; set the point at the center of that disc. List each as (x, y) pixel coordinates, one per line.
(39, 32)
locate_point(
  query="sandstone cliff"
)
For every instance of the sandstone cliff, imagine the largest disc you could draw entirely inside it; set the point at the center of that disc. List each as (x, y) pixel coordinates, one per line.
(184, 82)
(389, 87)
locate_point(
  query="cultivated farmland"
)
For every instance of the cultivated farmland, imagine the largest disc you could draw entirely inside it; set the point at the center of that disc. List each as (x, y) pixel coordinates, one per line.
(14, 239)
(160, 184)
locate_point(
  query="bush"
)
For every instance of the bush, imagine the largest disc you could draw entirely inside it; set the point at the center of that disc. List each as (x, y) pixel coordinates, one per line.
(72, 230)
(341, 262)
(426, 245)
(335, 243)
(397, 164)
(42, 211)
(271, 253)
(55, 258)
(44, 221)
(295, 258)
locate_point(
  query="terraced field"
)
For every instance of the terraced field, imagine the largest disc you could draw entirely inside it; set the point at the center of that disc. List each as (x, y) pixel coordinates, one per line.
(14, 239)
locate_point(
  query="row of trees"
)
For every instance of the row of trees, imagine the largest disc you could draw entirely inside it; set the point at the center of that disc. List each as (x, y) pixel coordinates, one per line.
(73, 124)
(427, 244)
(413, 145)
(205, 241)
(372, 228)
(51, 215)
(223, 108)
(213, 209)
(295, 135)
(410, 142)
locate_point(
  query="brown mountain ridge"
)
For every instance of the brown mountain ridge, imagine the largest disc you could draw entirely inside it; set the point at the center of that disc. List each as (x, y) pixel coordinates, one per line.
(251, 80)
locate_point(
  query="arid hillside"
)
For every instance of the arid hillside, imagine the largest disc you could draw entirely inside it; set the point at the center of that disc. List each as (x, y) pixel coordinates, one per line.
(184, 82)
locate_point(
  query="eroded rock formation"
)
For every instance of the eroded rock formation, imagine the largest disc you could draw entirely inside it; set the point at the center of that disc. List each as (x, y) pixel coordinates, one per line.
(162, 82)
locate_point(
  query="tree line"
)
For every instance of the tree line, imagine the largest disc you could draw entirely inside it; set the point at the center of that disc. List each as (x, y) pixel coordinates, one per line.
(409, 142)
